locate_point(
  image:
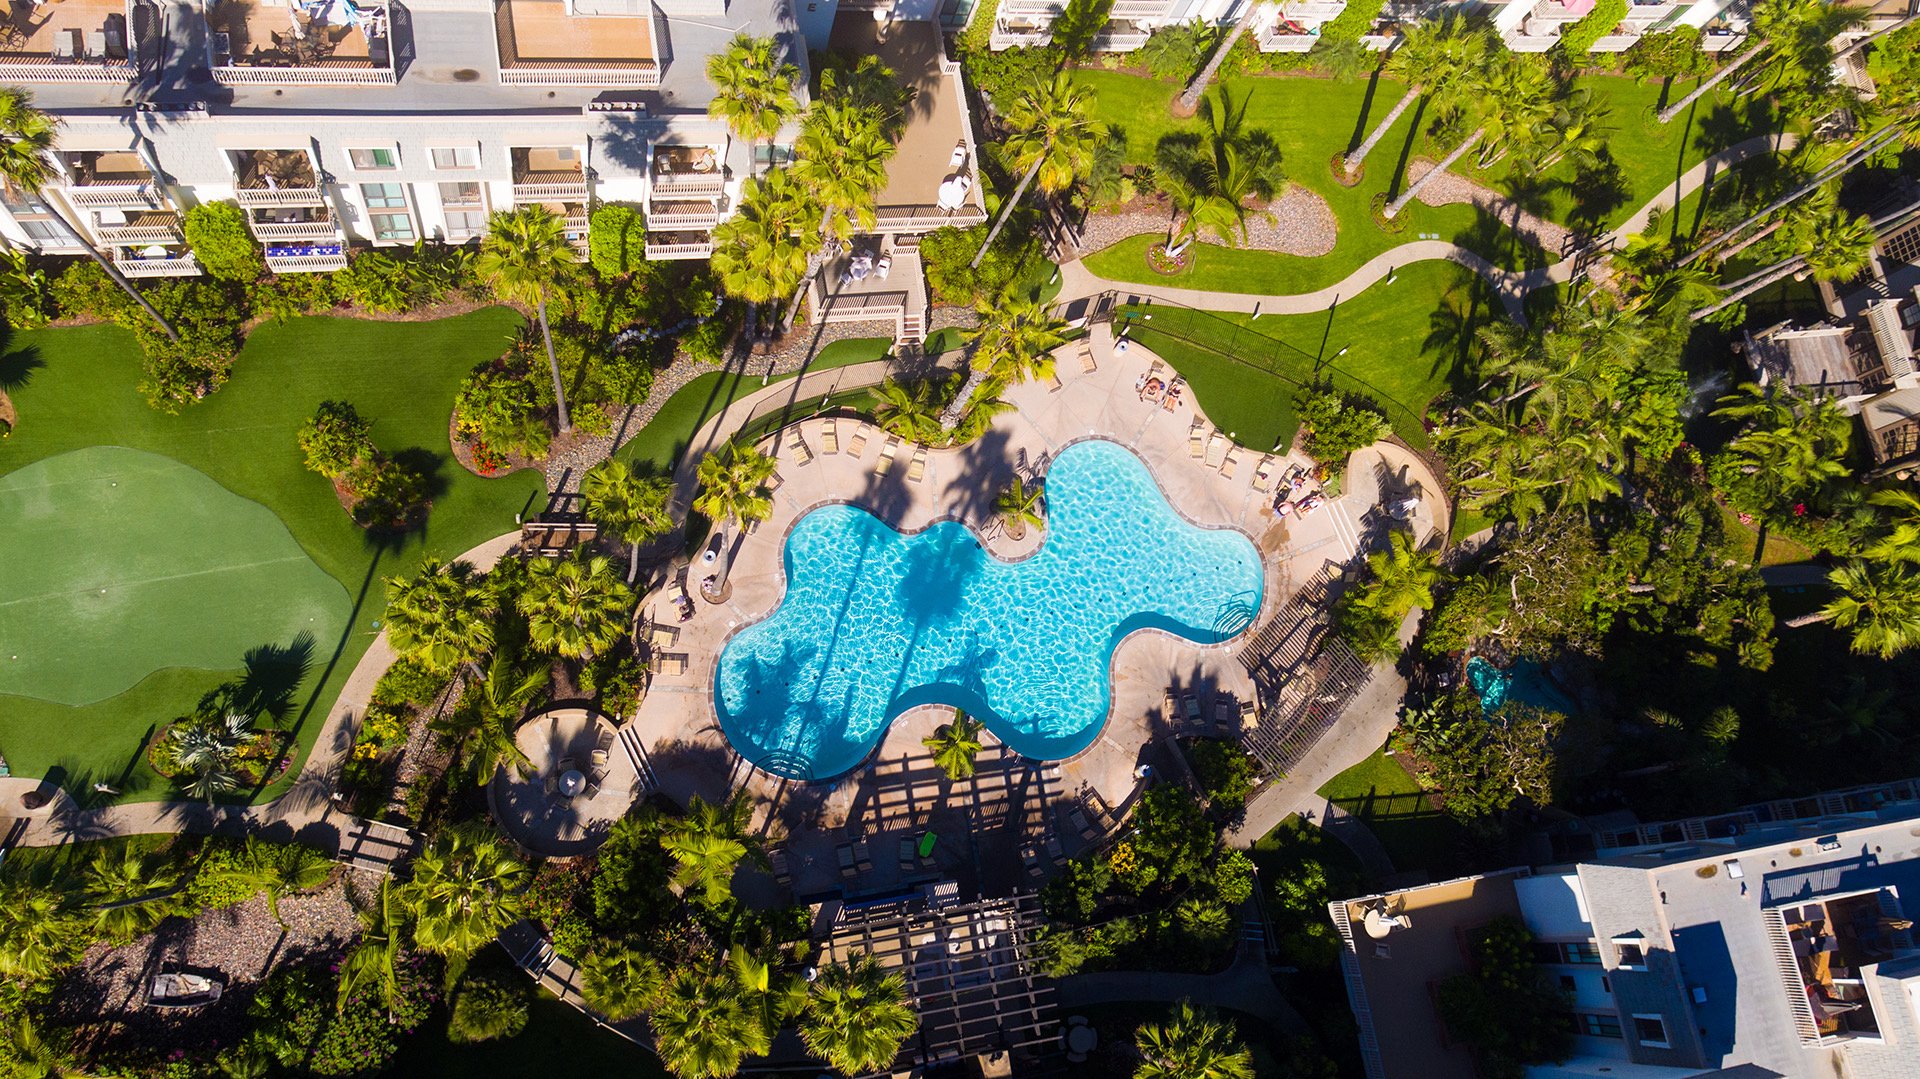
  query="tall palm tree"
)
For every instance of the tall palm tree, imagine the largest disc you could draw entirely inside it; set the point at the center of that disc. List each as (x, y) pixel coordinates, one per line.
(1014, 342)
(26, 141)
(857, 1016)
(130, 893)
(634, 507)
(1053, 143)
(1753, 51)
(480, 728)
(753, 87)
(761, 253)
(1019, 505)
(279, 870)
(1211, 178)
(1192, 1044)
(1510, 92)
(1789, 447)
(621, 982)
(1834, 245)
(910, 410)
(708, 843)
(523, 256)
(576, 607)
(1576, 130)
(442, 617)
(1403, 578)
(1878, 604)
(39, 931)
(1197, 89)
(1434, 56)
(733, 485)
(703, 1026)
(955, 745)
(774, 995)
(372, 964)
(466, 887)
(841, 157)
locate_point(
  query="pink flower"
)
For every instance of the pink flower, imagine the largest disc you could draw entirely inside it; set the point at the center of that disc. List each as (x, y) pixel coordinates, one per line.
(1799, 509)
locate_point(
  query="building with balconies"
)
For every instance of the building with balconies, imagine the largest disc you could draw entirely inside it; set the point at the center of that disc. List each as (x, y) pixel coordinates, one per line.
(309, 42)
(576, 43)
(1030, 22)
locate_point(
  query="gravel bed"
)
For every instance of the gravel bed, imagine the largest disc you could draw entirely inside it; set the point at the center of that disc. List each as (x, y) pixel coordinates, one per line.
(1299, 222)
(1451, 188)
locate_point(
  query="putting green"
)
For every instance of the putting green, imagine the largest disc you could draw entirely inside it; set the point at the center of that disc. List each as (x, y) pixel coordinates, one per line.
(120, 563)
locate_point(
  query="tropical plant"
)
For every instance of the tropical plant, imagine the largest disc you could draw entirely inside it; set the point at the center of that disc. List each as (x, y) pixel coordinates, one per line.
(576, 607)
(204, 751)
(775, 995)
(39, 931)
(1192, 1044)
(1576, 131)
(27, 139)
(1210, 177)
(621, 982)
(634, 507)
(465, 888)
(480, 728)
(761, 253)
(978, 409)
(753, 87)
(1833, 244)
(1900, 542)
(910, 410)
(486, 1008)
(1190, 97)
(441, 618)
(1512, 92)
(1436, 56)
(955, 745)
(1878, 604)
(222, 242)
(1175, 53)
(1053, 141)
(1013, 343)
(335, 439)
(857, 1016)
(733, 485)
(841, 159)
(372, 964)
(1788, 449)
(130, 892)
(524, 256)
(1020, 505)
(703, 1026)
(1403, 578)
(278, 869)
(708, 843)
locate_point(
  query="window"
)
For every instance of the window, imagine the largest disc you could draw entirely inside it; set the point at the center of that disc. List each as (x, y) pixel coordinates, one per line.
(766, 157)
(392, 227)
(1583, 952)
(45, 232)
(1632, 956)
(1596, 1026)
(384, 196)
(1578, 953)
(387, 214)
(465, 224)
(21, 202)
(456, 157)
(464, 196)
(1650, 1031)
(379, 157)
(1567, 983)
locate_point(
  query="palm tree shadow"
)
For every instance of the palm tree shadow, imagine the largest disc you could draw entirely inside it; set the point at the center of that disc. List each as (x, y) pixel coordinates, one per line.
(273, 674)
(1366, 108)
(17, 365)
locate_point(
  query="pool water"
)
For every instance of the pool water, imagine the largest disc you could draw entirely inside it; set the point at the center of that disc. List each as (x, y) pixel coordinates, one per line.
(1524, 682)
(875, 623)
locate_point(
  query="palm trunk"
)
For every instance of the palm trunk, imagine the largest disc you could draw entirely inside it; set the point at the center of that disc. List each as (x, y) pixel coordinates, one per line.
(1006, 211)
(815, 263)
(957, 408)
(113, 272)
(1394, 207)
(553, 364)
(1801, 620)
(1353, 160)
(1750, 241)
(1190, 97)
(1667, 114)
(1754, 283)
(633, 560)
(1819, 179)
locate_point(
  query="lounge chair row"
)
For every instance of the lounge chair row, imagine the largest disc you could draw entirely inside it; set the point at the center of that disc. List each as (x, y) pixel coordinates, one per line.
(829, 437)
(1218, 451)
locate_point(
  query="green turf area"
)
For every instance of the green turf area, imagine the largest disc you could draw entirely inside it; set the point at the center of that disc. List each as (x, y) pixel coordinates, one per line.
(78, 391)
(557, 1034)
(1390, 802)
(853, 350)
(116, 557)
(1403, 341)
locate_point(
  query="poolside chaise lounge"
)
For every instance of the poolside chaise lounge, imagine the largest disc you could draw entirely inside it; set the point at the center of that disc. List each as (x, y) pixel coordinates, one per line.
(802, 455)
(662, 637)
(1228, 466)
(830, 436)
(909, 854)
(1054, 385)
(1078, 818)
(1196, 440)
(1263, 476)
(857, 445)
(773, 482)
(885, 464)
(671, 663)
(845, 853)
(1216, 449)
(917, 468)
(1087, 363)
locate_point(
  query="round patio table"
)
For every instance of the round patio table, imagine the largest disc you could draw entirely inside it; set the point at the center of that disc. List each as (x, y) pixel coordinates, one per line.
(571, 781)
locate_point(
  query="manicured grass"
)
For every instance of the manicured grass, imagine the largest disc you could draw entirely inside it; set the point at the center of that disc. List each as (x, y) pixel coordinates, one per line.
(853, 350)
(1390, 802)
(1254, 406)
(1743, 539)
(557, 1038)
(78, 392)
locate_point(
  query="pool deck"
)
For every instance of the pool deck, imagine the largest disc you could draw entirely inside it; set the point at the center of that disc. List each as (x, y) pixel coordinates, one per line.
(677, 722)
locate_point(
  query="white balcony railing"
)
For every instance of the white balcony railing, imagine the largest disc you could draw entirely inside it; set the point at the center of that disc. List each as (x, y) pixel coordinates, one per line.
(279, 196)
(523, 193)
(139, 235)
(674, 222)
(306, 263)
(613, 75)
(296, 230)
(33, 69)
(680, 250)
(695, 184)
(176, 266)
(120, 196)
(245, 75)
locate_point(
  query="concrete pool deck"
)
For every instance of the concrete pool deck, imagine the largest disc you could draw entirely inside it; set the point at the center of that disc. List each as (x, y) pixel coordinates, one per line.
(677, 722)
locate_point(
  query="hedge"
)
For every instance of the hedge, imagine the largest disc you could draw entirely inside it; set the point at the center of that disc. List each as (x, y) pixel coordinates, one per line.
(1579, 38)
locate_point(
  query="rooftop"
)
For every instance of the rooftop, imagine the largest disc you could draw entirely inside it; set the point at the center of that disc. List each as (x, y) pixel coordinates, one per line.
(936, 120)
(75, 31)
(266, 33)
(547, 34)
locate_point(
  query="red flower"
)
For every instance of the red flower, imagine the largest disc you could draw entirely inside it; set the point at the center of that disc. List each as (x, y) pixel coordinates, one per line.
(1799, 509)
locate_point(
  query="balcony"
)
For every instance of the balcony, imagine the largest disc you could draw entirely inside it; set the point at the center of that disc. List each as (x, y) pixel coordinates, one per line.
(1286, 35)
(318, 43)
(542, 43)
(306, 258)
(673, 216)
(1017, 35)
(274, 178)
(112, 179)
(548, 174)
(137, 230)
(69, 41)
(687, 172)
(662, 246)
(290, 225)
(155, 261)
(1121, 37)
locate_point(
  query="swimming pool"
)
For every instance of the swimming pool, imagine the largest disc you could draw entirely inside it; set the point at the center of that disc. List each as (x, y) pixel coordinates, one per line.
(874, 623)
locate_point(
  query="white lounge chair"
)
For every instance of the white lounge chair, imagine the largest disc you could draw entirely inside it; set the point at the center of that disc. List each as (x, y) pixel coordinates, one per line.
(885, 464)
(830, 437)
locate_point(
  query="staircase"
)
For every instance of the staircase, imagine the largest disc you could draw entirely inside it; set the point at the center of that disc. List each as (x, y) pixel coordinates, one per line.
(374, 845)
(644, 782)
(1790, 978)
(912, 332)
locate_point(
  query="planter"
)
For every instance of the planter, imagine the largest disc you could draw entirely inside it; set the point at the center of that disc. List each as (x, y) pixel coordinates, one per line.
(1168, 265)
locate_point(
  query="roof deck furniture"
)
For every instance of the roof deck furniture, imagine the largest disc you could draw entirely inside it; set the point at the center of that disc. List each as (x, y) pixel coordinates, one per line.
(917, 468)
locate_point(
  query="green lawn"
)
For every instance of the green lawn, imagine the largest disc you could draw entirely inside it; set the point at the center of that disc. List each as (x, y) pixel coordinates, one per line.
(77, 392)
(557, 1036)
(1390, 802)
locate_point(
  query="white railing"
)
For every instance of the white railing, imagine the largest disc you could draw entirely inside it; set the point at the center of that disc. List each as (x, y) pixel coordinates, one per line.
(306, 263)
(671, 222)
(181, 266)
(1272, 42)
(1615, 43)
(117, 195)
(137, 235)
(17, 69)
(240, 75)
(680, 251)
(645, 78)
(912, 219)
(296, 230)
(667, 184)
(549, 192)
(1119, 42)
(1013, 39)
(281, 196)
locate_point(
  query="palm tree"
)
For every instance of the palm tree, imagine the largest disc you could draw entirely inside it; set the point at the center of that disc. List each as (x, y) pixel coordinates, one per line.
(620, 982)
(1019, 506)
(373, 963)
(1433, 57)
(841, 157)
(131, 893)
(441, 618)
(1577, 130)
(1403, 578)
(38, 931)
(1511, 90)
(753, 88)
(1211, 178)
(774, 995)
(910, 410)
(1197, 89)
(631, 506)
(1667, 114)
(1193, 1044)
(955, 745)
(466, 888)
(279, 870)
(37, 1055)
(1013, 343)
(1833, 244)
(576, 607)
(733, 482)
(703, 1026)
(524, 254)
(1790, 447)
(480, 728)
(761, 253)
(979, 410)
(1901, 542)
(1878, 604)
(857, 1016)
(1054, 141)
(205, 750)
(708, 843)
(26, 141)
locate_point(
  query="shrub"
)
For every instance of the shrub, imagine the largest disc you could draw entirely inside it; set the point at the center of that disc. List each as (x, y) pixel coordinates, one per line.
(1338, 422)
(710, 341)
(284, 296)
(1351, 24)
(207, 318)
(374, 280)
(25, 291)
(616, 239)
(1578, 40)
(83, 290)
(1000, 76)
(335, 438)
(1225, 773)
(503, 404)
(222, 242)
(388, 496)
(1075, 28)
(1669, 54)
(1177, 53)
(947, 253)
(486, 1007)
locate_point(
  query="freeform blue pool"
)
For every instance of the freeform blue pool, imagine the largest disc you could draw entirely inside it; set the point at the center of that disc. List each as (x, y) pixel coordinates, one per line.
(874, 623)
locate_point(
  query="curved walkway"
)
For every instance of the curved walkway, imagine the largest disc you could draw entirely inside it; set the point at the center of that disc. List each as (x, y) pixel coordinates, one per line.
(1512, 286)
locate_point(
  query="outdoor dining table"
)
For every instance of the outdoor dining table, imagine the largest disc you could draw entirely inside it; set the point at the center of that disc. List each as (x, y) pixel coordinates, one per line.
(860, 267)
(572, 782)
